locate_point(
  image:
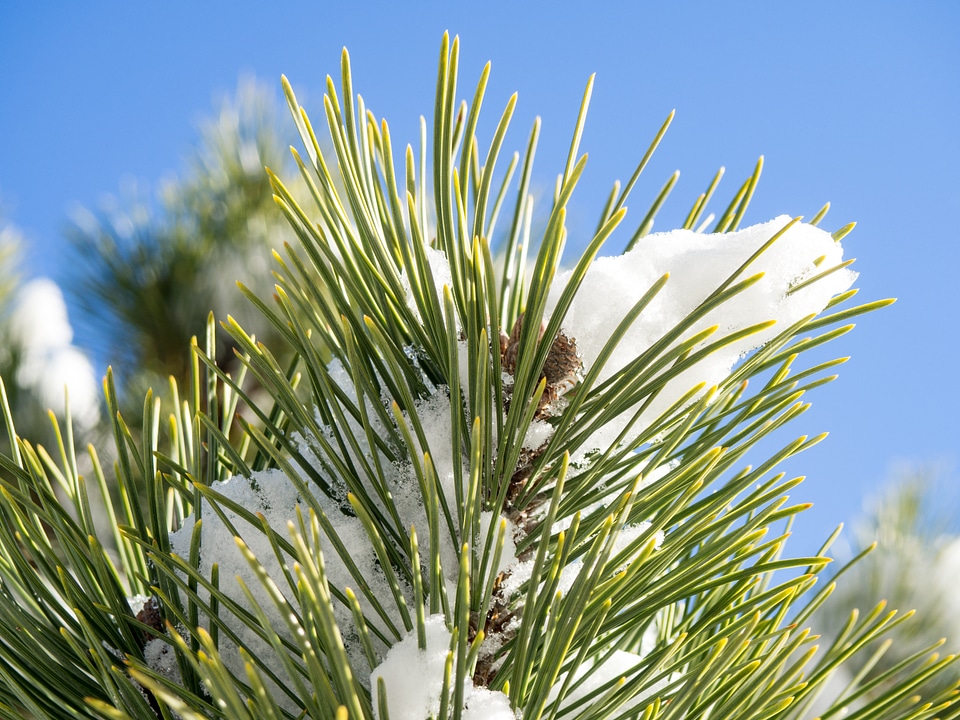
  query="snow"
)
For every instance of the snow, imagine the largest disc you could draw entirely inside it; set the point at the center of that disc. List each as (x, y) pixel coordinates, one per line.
(508, 555)
(948, 561)
(272, 494)
(614, 666)
(442, 276)
(269, 492)
(520, 571)
(414, 680)
(41, 315)
(537, 434)
(160, 657)
(698, 264)
(40, 327)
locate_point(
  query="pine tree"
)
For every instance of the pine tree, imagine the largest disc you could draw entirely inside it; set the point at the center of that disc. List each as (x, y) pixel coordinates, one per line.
(485, 487)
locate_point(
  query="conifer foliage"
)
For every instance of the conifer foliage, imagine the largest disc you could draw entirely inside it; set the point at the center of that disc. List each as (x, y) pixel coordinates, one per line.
(485, 487)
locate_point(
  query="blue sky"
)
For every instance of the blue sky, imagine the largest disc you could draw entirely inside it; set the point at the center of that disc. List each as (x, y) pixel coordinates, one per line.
(856, 103)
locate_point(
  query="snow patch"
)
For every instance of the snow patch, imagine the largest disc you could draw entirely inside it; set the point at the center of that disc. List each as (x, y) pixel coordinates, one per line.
(698, 264)
(50, 362)
(414, 680)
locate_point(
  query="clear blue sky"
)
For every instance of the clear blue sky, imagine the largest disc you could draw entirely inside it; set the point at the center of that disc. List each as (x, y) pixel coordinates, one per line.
(857, 103)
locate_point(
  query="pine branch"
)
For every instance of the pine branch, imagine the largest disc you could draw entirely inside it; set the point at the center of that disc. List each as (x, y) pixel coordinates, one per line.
(538, 490)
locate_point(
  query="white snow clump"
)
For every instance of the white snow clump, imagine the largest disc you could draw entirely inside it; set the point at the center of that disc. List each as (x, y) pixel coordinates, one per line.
(414, 680)
(40, 327)
(698, 264)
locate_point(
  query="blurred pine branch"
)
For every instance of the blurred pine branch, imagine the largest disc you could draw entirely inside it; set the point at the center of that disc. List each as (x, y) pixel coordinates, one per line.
(912, 557)
(148, 270)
